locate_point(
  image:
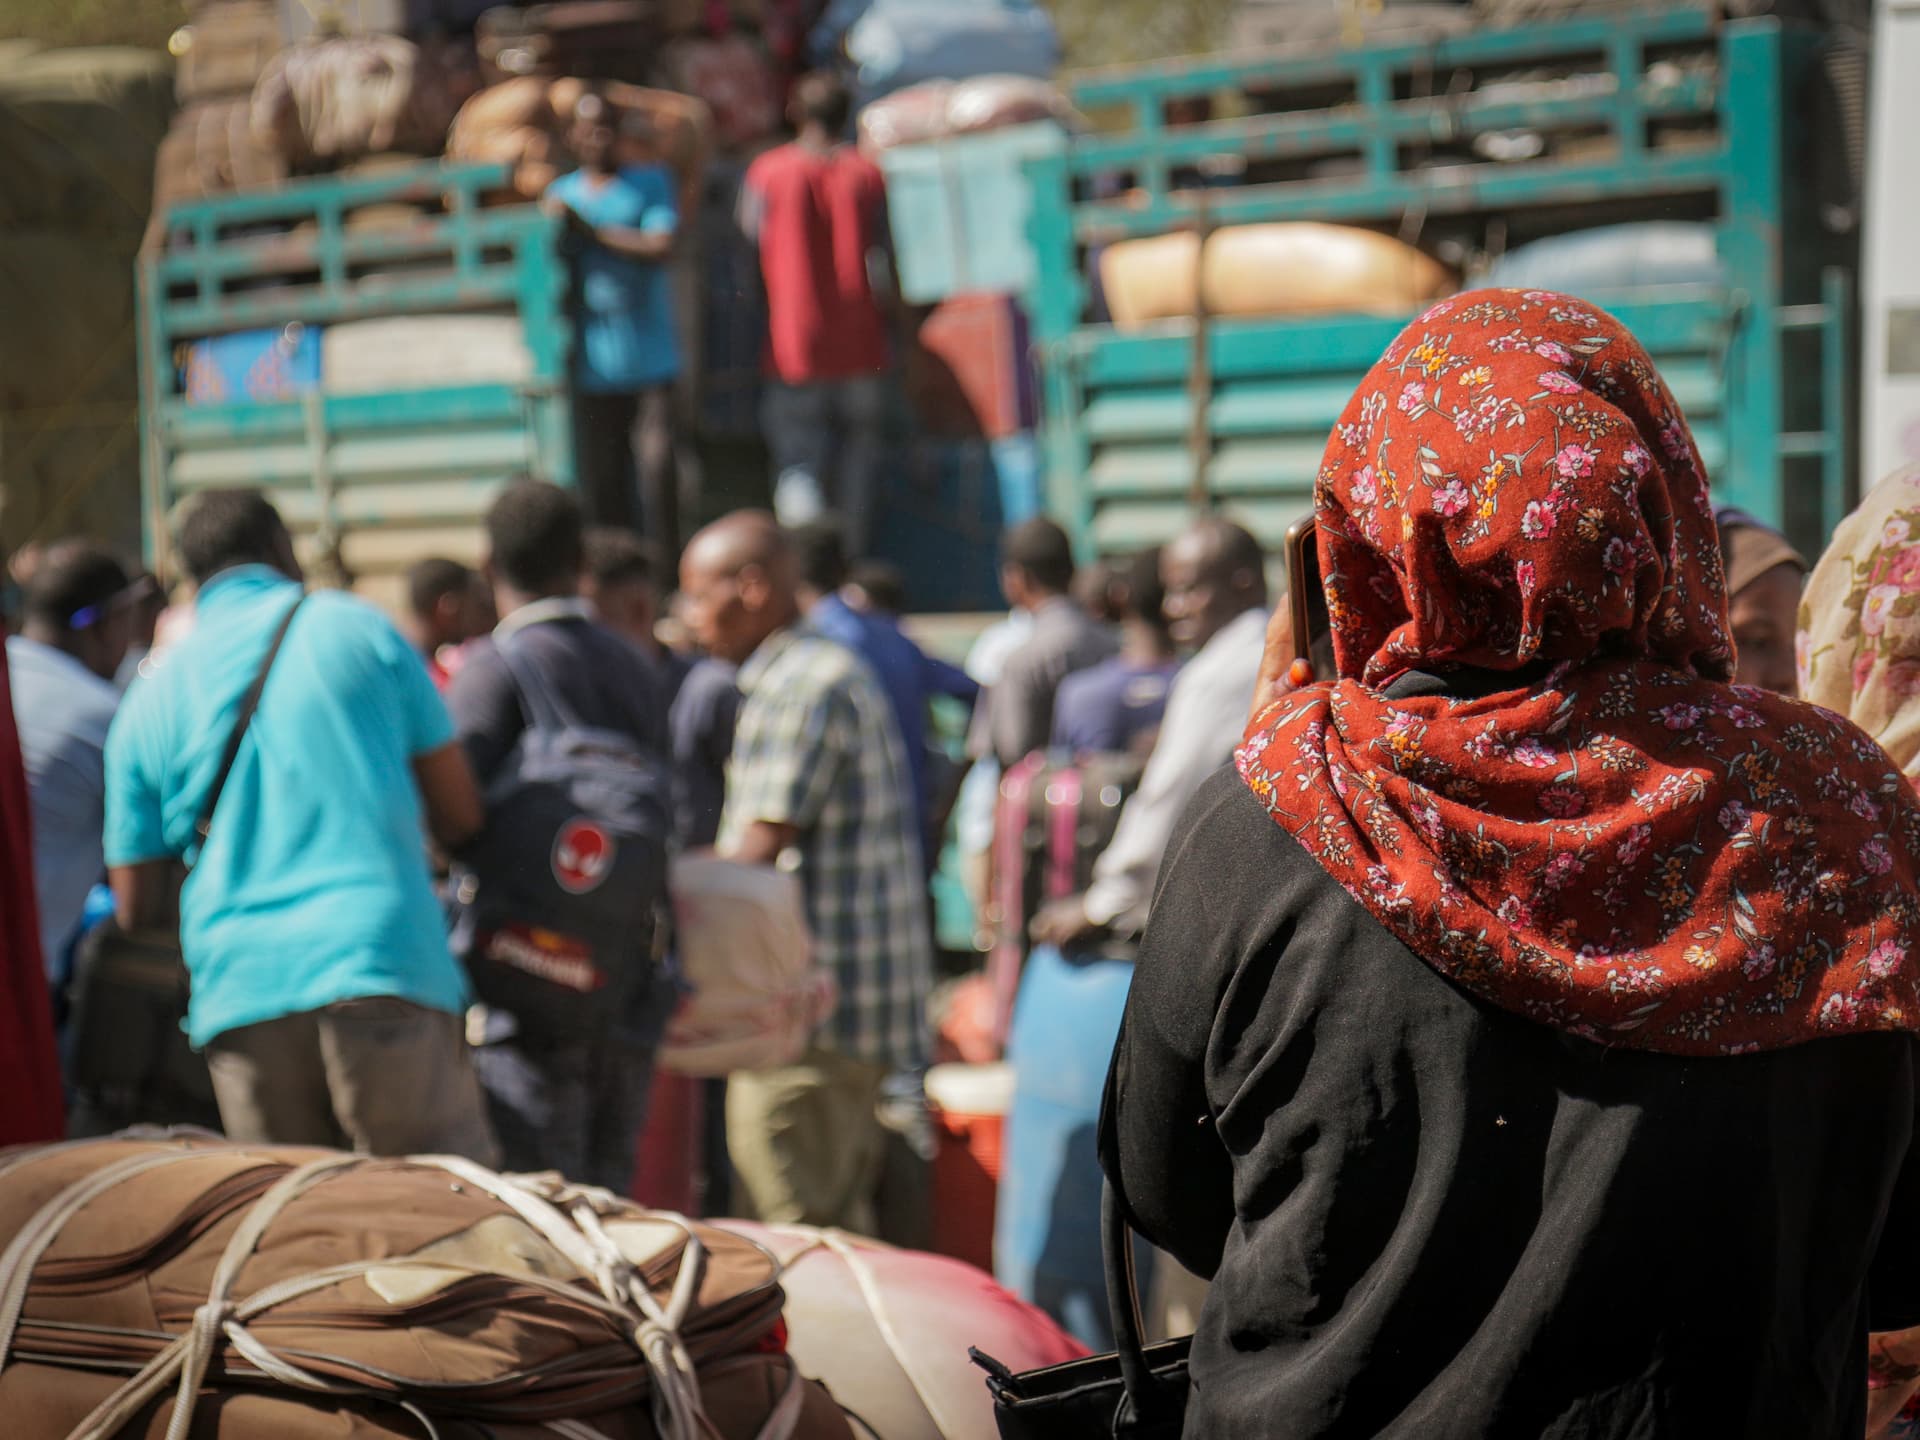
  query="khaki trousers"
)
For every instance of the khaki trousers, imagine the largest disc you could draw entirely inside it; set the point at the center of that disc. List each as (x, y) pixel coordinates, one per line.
(807, 1141)
(380, 1075)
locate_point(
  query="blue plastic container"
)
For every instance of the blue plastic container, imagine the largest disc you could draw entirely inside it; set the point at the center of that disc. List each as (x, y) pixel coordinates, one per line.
(1046, 1242)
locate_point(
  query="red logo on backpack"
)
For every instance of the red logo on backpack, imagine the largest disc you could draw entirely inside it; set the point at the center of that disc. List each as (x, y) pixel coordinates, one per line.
(582, 856)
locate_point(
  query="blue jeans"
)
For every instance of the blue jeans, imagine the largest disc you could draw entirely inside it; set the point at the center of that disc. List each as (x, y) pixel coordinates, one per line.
(577, 1106)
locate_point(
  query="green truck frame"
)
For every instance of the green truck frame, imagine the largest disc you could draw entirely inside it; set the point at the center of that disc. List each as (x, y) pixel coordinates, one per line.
(368, 482)
(1761, 364)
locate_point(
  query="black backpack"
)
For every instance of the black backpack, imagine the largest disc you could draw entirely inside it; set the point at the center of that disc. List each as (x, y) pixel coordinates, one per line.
(555, 903)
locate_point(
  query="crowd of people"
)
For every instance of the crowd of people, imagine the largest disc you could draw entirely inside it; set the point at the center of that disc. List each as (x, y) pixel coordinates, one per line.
(815, 211)
(1522, 1026)
(311, 796)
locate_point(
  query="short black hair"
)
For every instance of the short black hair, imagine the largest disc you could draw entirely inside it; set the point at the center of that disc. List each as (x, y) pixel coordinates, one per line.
(617, 556)
(1146, 592)
(884, 582)
(536, 535)
(218, 529)
(431, 580)
(1234, 551)
(822, 97)
(75, 580)
(1041, 548)
(822, 555)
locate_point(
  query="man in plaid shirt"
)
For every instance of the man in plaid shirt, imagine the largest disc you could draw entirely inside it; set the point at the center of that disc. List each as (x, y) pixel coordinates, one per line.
(818, 777)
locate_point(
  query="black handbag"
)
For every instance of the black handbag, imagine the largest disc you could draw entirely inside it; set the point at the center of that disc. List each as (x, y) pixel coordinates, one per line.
(129, 1060)
(1136, 1393)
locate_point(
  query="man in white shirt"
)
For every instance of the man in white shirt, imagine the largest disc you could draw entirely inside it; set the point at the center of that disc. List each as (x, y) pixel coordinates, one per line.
(77, 621)
(1216, 604)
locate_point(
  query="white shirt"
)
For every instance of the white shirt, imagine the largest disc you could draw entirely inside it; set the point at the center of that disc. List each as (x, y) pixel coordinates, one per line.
(1206, 714)
(63, 711)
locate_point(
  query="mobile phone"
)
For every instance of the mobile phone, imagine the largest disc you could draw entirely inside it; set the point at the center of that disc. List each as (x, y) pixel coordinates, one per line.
(1312, 629)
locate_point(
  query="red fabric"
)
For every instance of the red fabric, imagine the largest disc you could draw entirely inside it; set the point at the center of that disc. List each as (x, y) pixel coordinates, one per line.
(820, 215)
(666, 1169)
(31, 1108)
(1622, 845)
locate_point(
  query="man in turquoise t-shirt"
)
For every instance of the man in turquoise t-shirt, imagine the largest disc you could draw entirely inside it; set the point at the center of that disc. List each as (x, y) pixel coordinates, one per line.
(323, 992)
(627, 356)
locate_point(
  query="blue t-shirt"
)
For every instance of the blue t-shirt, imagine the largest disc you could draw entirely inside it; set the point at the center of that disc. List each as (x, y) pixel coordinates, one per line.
(627, 337)
(1108, 707)
(313, 886)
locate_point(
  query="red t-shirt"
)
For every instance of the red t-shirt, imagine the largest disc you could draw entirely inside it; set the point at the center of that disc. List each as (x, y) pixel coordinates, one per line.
(818, 216)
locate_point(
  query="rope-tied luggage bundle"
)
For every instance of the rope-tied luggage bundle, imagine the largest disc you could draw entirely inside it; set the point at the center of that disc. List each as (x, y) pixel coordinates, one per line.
(180, 1286)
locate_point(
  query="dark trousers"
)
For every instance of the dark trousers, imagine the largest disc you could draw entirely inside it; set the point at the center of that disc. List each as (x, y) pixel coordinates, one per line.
(629, 476)
(824, 439)
(576, 1104)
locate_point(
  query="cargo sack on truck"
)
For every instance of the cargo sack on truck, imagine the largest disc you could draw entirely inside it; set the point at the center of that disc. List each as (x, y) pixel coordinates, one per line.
(349, 97)
(523, 123)
(938, 109)
(603, 39)
(1277, 269)
(223, 49)
(303, 1293)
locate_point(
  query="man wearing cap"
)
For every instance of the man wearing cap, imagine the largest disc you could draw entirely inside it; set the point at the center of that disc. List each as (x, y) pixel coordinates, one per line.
(77, 617)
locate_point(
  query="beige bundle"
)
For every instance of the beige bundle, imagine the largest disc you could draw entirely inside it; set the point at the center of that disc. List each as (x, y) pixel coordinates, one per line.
(523, 122)
(1278, 269)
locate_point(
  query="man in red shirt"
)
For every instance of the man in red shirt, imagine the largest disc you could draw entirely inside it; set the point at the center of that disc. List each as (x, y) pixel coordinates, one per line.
(818, 210)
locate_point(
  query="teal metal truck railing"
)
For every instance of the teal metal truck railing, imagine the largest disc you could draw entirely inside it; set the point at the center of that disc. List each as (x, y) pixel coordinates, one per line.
(367, 480)
(1670, 108)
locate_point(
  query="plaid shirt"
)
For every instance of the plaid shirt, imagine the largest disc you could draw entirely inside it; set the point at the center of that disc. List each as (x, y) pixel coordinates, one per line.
(817, 749)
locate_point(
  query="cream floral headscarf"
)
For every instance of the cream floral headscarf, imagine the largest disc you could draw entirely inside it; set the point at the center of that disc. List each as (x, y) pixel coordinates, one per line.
(1859, 641)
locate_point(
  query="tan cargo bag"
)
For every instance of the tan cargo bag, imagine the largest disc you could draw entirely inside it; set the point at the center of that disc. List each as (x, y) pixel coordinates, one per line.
(182, 1286)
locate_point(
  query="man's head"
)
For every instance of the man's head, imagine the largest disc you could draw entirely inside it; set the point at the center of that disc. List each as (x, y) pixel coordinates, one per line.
(1213, 573)
(1143, 594)
(821, 555)
(592, 133)
(1764, 577)
(821, 104)
(535, 544)
(219, 529)
(619, 583)
(1100, 589)
(738, 584)
(439, 603)
(1036, 563)
(877, 587)
(149, 603)
(80, 601)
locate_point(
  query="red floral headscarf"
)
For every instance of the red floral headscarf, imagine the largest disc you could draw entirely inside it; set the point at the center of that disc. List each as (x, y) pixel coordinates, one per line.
(1619, 844)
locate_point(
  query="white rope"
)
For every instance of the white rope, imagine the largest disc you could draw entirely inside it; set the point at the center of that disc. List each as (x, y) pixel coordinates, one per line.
(679, 1413)
(835, 1242)
(17, 1261)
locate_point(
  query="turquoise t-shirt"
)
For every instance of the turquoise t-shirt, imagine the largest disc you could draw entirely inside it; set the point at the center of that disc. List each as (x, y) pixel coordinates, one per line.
(313, 886)
(627, 339)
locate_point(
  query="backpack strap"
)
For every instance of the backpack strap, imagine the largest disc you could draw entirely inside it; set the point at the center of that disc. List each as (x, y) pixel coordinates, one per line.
(542, 706)
(243, 718)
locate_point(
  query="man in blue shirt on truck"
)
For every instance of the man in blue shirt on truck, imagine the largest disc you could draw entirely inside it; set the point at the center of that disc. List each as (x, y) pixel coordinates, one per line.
(627, 356)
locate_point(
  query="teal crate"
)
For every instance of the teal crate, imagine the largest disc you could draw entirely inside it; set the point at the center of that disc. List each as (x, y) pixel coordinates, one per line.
(959, 210)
